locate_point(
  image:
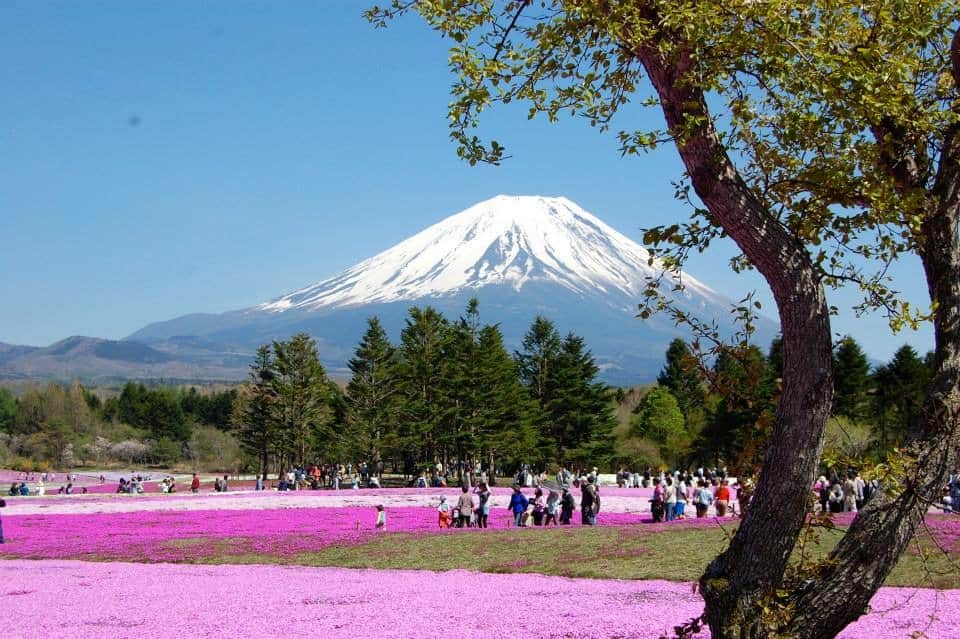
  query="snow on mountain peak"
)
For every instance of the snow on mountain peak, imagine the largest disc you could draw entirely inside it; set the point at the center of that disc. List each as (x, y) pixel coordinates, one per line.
(506, 240)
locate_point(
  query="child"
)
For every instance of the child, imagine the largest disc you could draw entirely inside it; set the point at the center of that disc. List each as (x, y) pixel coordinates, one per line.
(443, 511)
(381, 518)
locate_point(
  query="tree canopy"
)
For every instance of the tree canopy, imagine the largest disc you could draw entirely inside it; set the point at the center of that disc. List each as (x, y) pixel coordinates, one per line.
(824, 139)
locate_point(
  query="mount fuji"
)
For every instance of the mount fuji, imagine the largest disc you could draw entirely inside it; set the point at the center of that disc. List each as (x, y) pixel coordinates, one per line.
(520, 256)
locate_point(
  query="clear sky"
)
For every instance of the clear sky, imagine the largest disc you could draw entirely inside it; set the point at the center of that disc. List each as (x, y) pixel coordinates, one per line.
(169, 157)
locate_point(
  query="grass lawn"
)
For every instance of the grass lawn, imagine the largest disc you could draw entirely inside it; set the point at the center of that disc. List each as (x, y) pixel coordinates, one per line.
(678, 554)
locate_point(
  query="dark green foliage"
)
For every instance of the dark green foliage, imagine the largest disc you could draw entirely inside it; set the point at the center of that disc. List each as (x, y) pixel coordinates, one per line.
(775, 357)
(540, 350)
(154, 410)
(504, 427)
(681, 377)
(302, 408)
(371, 396)
(743, 387)
(573, 415)
(900, 391)
(851, 380)
(212, 408)
(8, 410)
(253, 412)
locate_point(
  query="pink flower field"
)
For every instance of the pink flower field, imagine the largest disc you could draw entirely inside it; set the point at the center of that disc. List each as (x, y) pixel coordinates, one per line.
(79, 600)
(47, 593)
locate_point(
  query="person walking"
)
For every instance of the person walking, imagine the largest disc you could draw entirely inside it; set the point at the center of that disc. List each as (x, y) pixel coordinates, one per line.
(589, 502)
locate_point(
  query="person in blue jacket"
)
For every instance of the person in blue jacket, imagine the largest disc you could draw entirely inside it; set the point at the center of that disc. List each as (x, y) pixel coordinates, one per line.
(518, 504)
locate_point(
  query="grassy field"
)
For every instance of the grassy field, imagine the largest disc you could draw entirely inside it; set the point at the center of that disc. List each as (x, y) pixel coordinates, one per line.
(609, 553)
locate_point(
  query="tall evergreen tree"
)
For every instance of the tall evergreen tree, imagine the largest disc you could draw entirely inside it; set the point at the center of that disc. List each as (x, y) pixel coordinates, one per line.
(540, 350)
(371, 393)
(851, 380)
(743, 387)
(579, 410)
(421, 380)
(681, 378)
(504, 420)
(302, 390)
(254, 410)
(900, 391)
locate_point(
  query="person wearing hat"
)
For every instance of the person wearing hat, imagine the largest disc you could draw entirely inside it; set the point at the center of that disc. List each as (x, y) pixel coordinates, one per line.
(567, 504)
(443, 513)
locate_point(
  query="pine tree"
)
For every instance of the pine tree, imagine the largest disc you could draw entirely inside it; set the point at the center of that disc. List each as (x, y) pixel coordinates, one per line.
(253, 412)
(504, 421)
(421, 377)
(541, 348)
(302, 390)
(900, 390)
(578, 410)
(743, 388)
(681, 378)
(851, 380)
(371, 392)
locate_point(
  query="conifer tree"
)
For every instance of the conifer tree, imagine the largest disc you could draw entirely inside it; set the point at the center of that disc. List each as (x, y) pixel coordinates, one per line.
(253, 413)
(851, 380)
(371, 392)
(421, 377)
(681, 377)
(900, 391)
(302, 406)
(504, 419)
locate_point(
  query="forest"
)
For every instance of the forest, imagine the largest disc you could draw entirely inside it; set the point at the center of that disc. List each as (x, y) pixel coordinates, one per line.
(450, 390)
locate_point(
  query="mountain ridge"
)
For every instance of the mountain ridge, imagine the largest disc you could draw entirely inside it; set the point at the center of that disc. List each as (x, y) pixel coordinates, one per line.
(521, 256)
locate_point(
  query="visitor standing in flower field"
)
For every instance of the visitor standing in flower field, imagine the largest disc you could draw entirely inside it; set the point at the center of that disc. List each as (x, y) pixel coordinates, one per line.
(567, 505)
(483, 509)
(589, 502)
(443, 513)
(381, 518)
(3, 504)
(518, 505)
(464, 507)
(722, 499)
(195, 484)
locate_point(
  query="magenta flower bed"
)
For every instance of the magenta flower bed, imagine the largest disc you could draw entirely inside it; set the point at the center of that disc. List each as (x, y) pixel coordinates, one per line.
(52, 599)
(157, 535)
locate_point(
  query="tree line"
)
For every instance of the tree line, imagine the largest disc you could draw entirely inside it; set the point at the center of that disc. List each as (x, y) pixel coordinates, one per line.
(448, 391)
(58, 426)
(719, 412)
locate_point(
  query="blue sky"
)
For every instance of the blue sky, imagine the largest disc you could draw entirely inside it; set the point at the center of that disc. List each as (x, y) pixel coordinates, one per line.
(164, 158)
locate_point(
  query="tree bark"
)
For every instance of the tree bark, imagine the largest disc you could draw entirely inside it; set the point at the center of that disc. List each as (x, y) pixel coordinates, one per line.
(738, 581)
(881, 532)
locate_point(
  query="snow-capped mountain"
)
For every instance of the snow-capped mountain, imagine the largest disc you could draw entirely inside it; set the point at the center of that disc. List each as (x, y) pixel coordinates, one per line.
(505, 241)
(520, 256)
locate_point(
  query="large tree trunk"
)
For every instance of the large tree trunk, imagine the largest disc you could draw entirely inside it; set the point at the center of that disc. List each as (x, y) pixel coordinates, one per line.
(739, 582)
(880, 533)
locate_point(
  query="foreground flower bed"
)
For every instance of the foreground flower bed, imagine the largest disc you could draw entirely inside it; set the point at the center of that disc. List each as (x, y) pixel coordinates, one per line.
(52, 599)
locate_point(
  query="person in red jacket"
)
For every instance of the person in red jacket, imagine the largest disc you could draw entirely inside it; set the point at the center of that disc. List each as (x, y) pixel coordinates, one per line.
(722, 499)
(195, 484)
